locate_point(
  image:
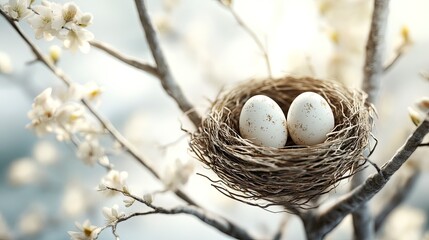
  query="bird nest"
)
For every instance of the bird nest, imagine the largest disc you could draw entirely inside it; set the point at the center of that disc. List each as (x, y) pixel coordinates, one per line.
(292, 176)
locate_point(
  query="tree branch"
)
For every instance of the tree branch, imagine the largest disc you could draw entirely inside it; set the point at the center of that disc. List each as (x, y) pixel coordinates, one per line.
(400, 195)
(126, 59)
(373, 67)
(363, 222)
(217, 222)
(373, 70)
(319, 224)
(167, 80)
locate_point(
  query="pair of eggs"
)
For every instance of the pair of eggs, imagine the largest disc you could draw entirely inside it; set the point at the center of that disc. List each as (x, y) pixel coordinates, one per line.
(309, 120)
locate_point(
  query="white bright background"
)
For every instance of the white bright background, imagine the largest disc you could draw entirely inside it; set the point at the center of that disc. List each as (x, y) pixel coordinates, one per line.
(206, 50)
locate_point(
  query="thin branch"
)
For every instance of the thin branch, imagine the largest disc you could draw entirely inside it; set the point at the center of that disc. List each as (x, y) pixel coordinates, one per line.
(400, 195)
(319, 224)
(398, 55)
(401, 49)
(363, 222)
(252, 34)
(126, 59)
(167, 80)
(217, 222)
(373, 70)
(373, 67)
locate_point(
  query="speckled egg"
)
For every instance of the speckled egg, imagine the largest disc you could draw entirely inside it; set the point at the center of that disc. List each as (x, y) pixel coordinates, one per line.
(309, 118)
(263, 122)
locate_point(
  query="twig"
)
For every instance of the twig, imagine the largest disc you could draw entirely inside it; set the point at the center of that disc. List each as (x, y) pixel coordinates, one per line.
(401, 49)
(400, 195)
(167, 80)
(217, 222)
(126, 59)
(320, 223)
(373, 70)
(251, 34)
(398, 55)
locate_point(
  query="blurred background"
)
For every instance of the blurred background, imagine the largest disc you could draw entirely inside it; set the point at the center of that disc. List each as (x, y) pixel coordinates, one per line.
(45, 188)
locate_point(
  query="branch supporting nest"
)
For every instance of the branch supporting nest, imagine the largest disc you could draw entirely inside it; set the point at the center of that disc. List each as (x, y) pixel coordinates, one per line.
(292, 176)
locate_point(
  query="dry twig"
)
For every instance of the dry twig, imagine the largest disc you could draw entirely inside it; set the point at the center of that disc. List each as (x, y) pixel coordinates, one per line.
(126, 59)
(400, 195)
(217, 222)
(373, 70)
(167, 80)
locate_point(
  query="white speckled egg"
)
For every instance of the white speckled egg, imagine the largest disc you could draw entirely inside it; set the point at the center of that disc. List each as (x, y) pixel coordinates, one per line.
(263, 122)
(309, 118)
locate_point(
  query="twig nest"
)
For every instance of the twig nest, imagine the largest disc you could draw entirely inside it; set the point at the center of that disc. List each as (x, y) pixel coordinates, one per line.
(293, 175)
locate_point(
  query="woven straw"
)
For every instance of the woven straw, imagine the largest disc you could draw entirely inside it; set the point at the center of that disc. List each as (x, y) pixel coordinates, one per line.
(292, 176)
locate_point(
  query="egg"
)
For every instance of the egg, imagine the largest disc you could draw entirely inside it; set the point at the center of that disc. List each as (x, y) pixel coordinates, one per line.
(309, 118)
(263, 122)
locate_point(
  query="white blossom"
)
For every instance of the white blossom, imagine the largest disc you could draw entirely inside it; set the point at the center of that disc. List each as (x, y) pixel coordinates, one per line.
(65, 15)
(104, 161)
(90, 151)
(112, 214)
(17, 9)
(70, 116)
(148, 198)
(77, 38)
(86, 231)
(54, 53)
(70, 22)
(114, 179)
(90, 91)
(42, 112)
(62, 117)
(128, 201)
(85, 20)
(66, 22)
(42, 21)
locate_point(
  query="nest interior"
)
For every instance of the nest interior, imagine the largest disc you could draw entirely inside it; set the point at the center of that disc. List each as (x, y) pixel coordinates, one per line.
(294, 175)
